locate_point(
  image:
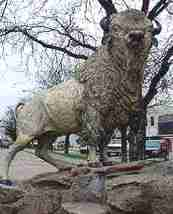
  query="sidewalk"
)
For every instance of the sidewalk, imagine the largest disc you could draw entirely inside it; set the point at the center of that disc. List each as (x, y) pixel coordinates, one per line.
(26, 165)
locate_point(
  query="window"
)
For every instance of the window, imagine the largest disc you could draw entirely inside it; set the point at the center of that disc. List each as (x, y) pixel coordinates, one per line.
(152, 120)
(165, 124)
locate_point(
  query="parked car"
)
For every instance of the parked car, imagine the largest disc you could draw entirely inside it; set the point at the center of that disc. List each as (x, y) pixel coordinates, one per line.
(152, 148)
(83, 149)
(114, 149)
(4, 143)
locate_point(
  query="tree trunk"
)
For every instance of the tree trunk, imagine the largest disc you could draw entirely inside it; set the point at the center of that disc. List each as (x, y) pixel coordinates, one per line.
(140, 137)
(136, 135)
(67, 144)
(132, 146)
(123, 144)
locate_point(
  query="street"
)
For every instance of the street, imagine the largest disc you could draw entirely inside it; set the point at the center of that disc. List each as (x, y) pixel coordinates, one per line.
(26, 165)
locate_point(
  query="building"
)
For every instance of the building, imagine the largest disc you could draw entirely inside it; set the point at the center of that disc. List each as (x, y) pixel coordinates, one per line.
(159, 130)
(159, 121)
(160, 126)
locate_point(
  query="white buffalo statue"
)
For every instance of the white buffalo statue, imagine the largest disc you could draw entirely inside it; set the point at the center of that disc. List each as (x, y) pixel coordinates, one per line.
(109, 88)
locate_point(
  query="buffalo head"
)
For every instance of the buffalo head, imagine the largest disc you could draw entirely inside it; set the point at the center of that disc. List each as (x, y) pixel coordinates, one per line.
(132, 26)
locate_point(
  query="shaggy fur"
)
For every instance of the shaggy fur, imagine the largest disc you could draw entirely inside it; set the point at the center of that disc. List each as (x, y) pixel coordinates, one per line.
(108, 90)
(113, 77)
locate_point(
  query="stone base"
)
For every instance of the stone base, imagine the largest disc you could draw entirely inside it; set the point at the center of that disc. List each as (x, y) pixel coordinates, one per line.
(84, 208)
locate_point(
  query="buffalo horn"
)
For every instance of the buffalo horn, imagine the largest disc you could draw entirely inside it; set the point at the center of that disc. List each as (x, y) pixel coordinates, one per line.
(157, 29)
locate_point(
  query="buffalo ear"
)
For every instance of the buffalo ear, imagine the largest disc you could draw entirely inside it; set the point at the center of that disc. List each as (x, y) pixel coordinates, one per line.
(157, 29)
(104, 24)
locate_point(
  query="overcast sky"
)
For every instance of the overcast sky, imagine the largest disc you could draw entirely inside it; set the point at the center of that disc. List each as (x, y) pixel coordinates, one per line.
(13, 79)
(14, 83)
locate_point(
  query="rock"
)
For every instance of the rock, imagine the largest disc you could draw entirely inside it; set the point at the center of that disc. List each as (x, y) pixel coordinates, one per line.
(8, 197)
(15, 200)
(142, 196)
(85, 208)
(58, 181)
(87, 188)
(10, 194)
(40, 202)
(7, 209)
(161, 168)
(59, 194)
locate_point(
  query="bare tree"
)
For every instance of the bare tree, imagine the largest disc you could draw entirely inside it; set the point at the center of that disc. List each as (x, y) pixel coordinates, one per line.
(156, 84)
(8, 123)
(138, 119)
(51, 37)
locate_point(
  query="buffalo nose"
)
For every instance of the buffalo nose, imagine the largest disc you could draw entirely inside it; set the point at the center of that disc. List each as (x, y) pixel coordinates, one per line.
(136, 36)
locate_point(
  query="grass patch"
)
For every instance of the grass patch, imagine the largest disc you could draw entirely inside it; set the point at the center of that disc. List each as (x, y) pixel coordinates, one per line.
(73, 155)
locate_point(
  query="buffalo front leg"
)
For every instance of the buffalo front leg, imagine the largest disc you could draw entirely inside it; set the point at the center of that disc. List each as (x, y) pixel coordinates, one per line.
(92, 155)
(20, 143)
(42, 151)
(105, 138)
(92, 132)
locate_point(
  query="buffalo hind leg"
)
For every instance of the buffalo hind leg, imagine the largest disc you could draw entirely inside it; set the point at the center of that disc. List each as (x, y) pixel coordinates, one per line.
(42, 151)
(20, 143)
(93, 133)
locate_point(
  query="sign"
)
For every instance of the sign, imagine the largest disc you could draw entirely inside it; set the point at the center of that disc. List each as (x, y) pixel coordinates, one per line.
(152, 145)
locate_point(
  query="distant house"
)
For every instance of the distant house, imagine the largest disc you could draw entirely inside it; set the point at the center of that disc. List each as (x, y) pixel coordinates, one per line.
(160, 121)
(160, 127)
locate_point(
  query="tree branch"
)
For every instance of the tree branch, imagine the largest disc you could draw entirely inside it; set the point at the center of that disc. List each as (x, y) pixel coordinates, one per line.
(50, 46)
(162, 71)
(44, 44)
(77, 42)
(158, 8)
(145, 6)
(108, 6)
(5, 6)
